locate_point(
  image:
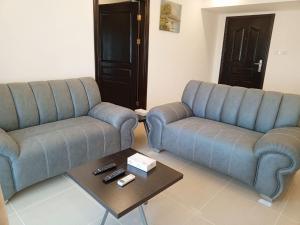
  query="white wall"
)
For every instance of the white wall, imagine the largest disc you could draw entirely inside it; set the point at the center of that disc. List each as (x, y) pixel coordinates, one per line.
(176, 58)
(283, 72)
(41, 39)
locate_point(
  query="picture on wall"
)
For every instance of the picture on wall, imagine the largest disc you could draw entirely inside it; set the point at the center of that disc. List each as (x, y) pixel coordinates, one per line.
(170, 16)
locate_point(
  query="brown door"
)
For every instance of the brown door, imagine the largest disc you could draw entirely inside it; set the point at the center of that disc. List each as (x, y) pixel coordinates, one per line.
(245, 50)
(120, 73)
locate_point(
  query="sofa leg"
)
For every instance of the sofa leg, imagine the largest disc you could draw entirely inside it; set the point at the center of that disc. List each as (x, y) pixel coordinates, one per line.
(265, 200)
(157, 150)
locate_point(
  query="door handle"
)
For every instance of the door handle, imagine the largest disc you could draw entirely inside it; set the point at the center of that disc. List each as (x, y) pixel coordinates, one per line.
(259, 64)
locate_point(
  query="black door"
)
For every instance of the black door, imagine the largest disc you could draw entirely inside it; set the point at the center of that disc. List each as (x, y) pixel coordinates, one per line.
(118, 61)
(245, 50)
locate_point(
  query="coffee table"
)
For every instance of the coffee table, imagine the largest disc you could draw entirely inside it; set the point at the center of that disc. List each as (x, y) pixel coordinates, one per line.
(120, 200)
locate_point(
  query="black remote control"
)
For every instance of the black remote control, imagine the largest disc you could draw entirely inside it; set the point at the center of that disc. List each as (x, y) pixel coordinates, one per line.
(104, 168)
(114, 174)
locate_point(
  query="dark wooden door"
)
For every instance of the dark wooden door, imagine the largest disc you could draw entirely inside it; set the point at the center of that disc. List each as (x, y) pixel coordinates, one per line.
(118, 61)
(245, 50)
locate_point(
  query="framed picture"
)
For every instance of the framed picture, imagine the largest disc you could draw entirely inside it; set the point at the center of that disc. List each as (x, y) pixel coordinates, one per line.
(170, 16)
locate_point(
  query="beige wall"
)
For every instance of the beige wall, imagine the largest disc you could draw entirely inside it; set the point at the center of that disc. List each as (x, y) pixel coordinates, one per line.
(176, 58)
(41, 39)
(283, 72)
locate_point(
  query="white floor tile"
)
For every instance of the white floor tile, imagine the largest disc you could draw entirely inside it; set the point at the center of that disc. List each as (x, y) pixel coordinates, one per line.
(40, 192)
(14, 220)
(69, 208)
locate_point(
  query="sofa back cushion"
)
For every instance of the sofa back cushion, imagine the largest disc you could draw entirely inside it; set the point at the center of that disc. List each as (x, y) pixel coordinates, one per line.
(253, 109)
(30, 104)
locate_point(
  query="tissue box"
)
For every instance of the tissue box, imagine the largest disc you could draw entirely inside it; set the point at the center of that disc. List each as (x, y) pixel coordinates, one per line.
(141, 162)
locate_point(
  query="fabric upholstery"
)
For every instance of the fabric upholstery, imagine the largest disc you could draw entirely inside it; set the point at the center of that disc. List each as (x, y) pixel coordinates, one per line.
(79, 97)
(272, 172)
(8, 113)
(8, 147)
(159, 116)
(29, 104)
(92, 91)
(123, 119)
(56, 147)
(45, 102)
(63, 99)
(25, 103)
(248, 108)
(249, 134)
(6, 178)
(217, 145)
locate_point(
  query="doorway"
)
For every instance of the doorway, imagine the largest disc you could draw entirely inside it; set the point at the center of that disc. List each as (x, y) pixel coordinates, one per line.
(121, 52)
(245, 50)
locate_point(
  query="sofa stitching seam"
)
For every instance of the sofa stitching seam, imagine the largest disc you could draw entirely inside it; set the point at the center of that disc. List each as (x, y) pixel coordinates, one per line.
(53, 99)
(13, 98)
(278, 182)
(72, 99)
(37, 105)
(87, 96)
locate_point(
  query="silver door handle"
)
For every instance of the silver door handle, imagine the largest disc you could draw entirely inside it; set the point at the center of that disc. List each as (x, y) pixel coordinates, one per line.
(259, 64)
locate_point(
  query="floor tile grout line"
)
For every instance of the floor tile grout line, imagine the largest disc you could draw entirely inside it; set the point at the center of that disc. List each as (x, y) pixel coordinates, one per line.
(44, 200)
(290, 188)
(207, 220)
(17, 214)
(215, 195)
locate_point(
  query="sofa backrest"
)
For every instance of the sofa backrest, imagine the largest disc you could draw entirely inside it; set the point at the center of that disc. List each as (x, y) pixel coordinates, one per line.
(28, 104)
(248, 108)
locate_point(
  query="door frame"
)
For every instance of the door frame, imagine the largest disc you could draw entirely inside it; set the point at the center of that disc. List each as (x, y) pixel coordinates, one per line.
(143, 52)
(263, 72)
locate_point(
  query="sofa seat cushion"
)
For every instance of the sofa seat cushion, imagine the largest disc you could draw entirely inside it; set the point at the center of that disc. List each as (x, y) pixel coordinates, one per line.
(226, 148)
(51, 149)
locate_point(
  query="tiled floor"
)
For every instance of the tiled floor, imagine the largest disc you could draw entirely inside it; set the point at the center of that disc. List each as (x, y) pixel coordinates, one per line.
(203, 197)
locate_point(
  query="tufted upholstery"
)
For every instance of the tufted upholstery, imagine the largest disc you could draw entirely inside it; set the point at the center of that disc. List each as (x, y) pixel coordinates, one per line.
(249, 134)
(48, 127)
(29, 104)
(248, 108)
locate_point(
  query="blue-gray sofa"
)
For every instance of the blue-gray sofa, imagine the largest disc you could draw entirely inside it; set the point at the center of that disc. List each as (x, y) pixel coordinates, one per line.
(46, 128)
(249, 134)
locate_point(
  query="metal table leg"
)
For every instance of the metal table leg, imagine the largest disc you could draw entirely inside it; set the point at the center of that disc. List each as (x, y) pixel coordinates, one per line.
(142, 214)
(104, 217)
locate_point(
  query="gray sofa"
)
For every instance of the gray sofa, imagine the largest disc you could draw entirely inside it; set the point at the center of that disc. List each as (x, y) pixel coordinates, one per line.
(46, 128)
(249, 134)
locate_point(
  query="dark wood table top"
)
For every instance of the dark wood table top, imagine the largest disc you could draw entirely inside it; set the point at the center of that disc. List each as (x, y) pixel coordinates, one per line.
(121, 200)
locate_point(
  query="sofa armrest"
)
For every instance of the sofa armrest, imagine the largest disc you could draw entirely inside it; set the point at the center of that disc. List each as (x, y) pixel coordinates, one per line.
(8, 147)
(160, 116)
(278, 153)
(125, 120)
(170, 112)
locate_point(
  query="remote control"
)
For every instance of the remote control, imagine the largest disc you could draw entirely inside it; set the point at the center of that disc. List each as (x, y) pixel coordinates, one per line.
(125, 180)
(104, 168)
(114, 174)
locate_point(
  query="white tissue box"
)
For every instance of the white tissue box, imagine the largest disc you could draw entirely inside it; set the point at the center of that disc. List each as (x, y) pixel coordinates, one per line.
(141, 162)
